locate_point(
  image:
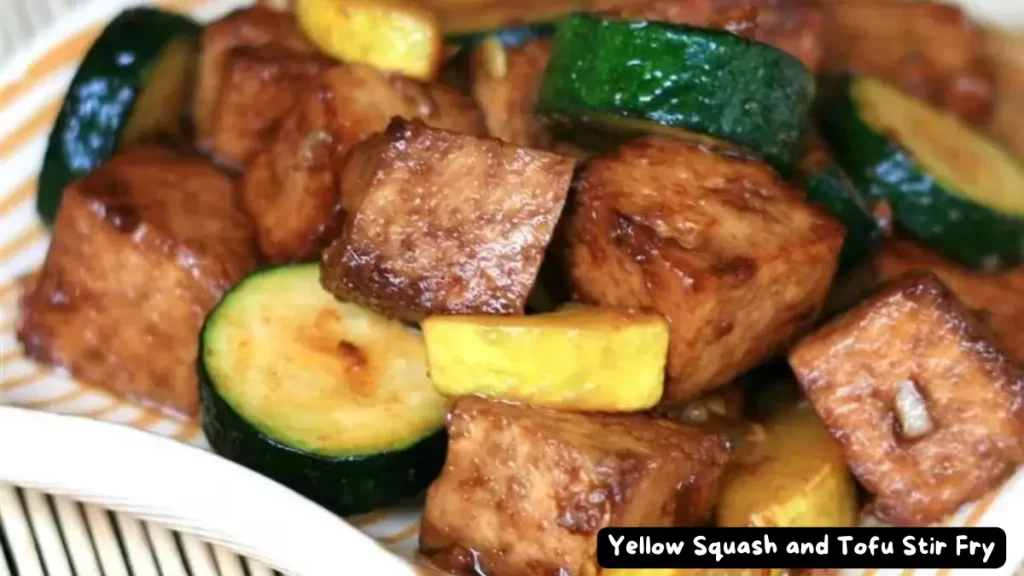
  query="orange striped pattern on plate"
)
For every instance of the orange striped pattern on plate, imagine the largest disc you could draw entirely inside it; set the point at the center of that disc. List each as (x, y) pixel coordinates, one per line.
(24, 383)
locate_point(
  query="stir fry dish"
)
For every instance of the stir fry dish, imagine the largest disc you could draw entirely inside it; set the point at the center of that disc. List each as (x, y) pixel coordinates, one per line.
(555, 265)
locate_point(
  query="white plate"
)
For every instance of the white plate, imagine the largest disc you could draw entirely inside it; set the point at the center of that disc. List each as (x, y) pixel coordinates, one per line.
(167, 482)
(184, 486)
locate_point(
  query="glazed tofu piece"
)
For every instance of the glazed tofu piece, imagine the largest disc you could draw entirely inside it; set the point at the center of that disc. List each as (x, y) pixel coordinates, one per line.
(715, 241)
(1004, 51)
(291, 189)
(929, 414)
(793, 26)
(260, 86)
(929, 49)
(444, 223)
(527, 489)
(505, 83)
(1007, 121)
(255, 26)
(143, 247)
(998, 298)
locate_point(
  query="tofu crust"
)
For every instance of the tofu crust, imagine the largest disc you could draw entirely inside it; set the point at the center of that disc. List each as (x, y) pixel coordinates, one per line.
(508, 101)
(998, 298)
(929, 49)
(715, 241)
(143, 247)
(443, 223)
(525, 490)
(916, 330)
(257, 25)
(261, 85)
(292, 188)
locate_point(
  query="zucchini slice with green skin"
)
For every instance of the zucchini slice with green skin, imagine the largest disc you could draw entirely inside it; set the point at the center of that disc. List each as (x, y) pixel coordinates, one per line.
(828, 186)
(707, 81)
(947, 184)
(133, 84)
(323, 396)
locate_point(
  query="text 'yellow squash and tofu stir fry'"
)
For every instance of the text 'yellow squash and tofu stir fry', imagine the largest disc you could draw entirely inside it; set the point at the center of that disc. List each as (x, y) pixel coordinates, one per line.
(520, 257)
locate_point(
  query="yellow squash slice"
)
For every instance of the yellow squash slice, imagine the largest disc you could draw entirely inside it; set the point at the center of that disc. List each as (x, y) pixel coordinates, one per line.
(579, 358)
(794, 475)
(390, 35)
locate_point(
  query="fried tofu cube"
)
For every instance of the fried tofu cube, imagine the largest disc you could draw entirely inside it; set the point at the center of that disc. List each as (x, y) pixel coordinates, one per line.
(928, 413)
(997, 297)
(586, 359)
(1004, 52)
(715, 241)
(527, 489)
(930, 49)
(260, 86)
(506, 80)
(443, 223)
(255, 26)
(292, 190)
(1007, 121)
(143, 247)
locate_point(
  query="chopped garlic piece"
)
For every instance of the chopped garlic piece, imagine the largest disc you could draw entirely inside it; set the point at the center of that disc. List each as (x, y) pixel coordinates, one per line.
(912, 411)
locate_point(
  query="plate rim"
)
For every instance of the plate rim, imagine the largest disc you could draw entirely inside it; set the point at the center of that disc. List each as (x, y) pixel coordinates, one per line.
(16, 82)
(141, 473)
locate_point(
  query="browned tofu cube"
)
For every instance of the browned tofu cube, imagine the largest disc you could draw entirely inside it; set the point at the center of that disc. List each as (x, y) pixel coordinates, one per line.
(1004, 51)
(527, 489)
(143, 247)
(291, 189)
(260, 85)
(998, 298)
(717, 242)
(443, 223)
(254, 26)
(928, 413)
(930, 49)
(793, 26)
(1007, 120)
(507, 92)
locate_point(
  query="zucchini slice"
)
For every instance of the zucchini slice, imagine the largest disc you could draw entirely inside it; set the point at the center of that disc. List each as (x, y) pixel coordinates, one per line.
(828, 186)
(711, 82)
(947, 184)
(323, 396)
(133, 85)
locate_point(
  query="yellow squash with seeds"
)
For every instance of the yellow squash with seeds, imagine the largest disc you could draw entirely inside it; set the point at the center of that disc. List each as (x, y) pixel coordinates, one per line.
(580, 358)
(792, 475)
(390, 35)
